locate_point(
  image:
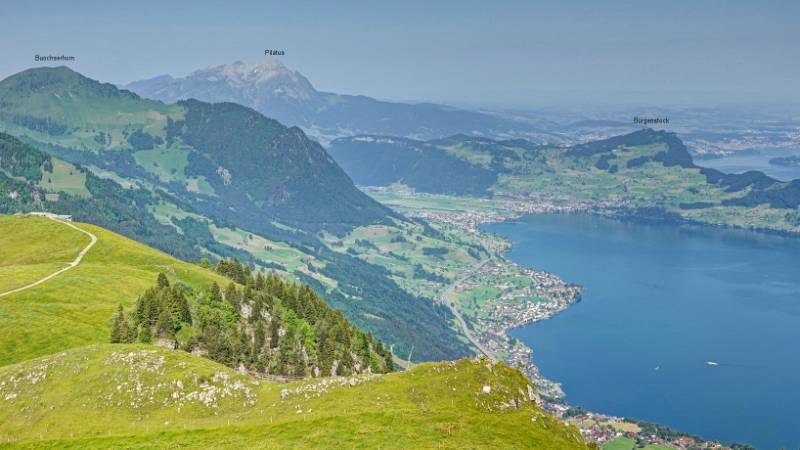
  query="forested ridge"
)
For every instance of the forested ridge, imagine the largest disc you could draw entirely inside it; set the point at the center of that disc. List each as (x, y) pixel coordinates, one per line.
(262, 323)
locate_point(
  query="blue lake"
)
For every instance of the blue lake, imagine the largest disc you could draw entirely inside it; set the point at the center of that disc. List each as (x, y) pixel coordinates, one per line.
(659, 303)
(756, 161)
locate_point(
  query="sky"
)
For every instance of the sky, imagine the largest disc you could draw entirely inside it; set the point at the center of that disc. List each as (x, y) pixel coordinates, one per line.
(513, 53)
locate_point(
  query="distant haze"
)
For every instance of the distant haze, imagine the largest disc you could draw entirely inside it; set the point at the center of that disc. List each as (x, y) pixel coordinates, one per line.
(515, 53)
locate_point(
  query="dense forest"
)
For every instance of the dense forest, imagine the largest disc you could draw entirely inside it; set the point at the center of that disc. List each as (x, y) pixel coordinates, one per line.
(378, 161)
(258, 322)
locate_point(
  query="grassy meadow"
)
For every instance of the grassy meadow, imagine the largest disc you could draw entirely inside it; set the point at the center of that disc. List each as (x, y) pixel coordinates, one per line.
(144, 396)
(73, 308)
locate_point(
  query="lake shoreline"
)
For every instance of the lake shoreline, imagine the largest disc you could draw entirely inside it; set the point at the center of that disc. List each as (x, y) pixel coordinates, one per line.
(475, 215)
(702, 230)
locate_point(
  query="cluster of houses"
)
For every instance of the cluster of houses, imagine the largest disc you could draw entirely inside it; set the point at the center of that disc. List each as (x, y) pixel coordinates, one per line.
(540, 296)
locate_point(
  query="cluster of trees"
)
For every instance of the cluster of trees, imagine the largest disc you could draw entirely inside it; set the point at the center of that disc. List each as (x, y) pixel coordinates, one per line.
(40, 124)
(162, 311)
(17, 160)
(262, 323)
(139, 140)
(421, 274)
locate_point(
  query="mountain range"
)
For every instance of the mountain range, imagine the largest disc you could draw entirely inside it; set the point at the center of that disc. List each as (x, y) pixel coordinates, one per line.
(281, 93)
(180, 176)
(645, 174)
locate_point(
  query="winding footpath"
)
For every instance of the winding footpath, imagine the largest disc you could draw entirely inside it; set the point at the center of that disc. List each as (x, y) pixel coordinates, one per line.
(60, 271)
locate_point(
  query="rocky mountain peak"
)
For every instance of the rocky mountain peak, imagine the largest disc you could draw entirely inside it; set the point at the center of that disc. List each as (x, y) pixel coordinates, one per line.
(272, 73)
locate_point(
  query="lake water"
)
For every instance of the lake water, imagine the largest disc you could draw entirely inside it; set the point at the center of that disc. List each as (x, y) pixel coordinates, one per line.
(659, 303)
(756, 161)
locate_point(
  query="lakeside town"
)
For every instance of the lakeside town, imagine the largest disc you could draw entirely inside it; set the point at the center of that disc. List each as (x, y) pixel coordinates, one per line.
(500, 295)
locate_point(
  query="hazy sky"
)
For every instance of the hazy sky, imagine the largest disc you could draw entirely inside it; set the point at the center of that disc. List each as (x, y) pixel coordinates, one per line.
(490, 52)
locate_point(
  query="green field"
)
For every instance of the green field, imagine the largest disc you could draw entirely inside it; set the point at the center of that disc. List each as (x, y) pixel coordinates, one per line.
(64, 178)
(406, 201)
(403, 247)
(625, 443)
(73, 308)
(168, 164)
(144, 396)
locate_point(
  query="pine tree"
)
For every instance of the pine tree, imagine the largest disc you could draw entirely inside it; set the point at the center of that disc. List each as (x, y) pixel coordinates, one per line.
(260, 282)
(162, 281)
(275, 326)
(259, 336)
(139, 315)
(216, 294)
(127, 332)
(165, 326)
(144, 335)
(232, 295)
(365, 353)
(117, 327)
(255, 312)
(152, 308)
(388, 360)
(180, 308)
(299, 363)
(284, 358)
(324, 353)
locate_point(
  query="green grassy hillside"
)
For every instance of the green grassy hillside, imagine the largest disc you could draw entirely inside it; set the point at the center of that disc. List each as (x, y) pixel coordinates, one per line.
(73, 308)
(57, 392)
(195, 167)
(29, 252)
(134, 396)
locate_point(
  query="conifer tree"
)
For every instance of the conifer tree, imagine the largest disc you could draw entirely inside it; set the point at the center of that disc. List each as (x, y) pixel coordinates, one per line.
(275, 326)
(165, 326)
(260, 282)
(162, 281)
(298, 362)
(365, 353)
(216, 294)
(180, 308)
(232, 295)
(389, 361)
(117, 324)
(259, 336)
(144, 335)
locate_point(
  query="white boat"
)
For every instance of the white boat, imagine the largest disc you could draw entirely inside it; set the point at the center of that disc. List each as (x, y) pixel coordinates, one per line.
(712, 363)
